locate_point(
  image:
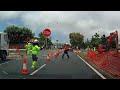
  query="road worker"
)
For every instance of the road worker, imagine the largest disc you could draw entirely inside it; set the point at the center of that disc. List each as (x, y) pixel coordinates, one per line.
(65, 51)
(35, 52)
(28, 48)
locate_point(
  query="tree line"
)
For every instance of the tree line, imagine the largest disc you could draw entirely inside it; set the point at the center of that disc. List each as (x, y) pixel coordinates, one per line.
(18, 34)
(77, 40)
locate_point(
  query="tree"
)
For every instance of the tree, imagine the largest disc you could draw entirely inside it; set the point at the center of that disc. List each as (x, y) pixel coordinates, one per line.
(83, 45)
(95, 41)
(76, 39)
(42, 40)
(18, 34)
(87, 43)
(96, 35)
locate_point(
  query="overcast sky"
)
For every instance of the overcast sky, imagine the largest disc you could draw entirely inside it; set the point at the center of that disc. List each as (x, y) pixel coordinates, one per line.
(62, 23)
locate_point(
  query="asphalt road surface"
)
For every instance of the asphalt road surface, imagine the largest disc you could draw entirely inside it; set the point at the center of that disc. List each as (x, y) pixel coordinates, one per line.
(57, 68)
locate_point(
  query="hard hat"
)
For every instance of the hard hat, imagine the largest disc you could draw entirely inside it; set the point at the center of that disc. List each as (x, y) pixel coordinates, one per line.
(29, 43)
(35, 40)
(66, 43)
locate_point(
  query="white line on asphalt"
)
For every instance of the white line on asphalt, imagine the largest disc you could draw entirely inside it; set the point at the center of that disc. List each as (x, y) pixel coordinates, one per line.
(38, 69)
(4, 63)
(93, 68)
(5, 72)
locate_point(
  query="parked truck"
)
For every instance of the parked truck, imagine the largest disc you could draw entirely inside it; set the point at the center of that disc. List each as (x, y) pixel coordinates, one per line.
(4, 46)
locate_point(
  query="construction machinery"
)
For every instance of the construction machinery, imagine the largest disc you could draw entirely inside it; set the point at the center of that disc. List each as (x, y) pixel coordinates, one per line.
(112, 41)
(109, 43)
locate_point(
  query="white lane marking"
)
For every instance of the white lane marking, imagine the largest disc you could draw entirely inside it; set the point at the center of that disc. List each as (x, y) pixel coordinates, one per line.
(93, 68)
(37, 69)
(4, 63)
(5, 72)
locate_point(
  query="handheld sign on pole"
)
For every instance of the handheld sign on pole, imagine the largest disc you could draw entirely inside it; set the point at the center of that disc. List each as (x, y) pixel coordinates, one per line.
(46, 33)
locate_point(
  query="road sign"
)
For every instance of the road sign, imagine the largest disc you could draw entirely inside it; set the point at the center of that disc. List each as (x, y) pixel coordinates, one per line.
(47, 32)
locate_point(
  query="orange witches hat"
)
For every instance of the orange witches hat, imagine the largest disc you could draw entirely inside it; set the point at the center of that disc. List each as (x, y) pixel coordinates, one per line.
(56, 54)
(48, 59)
(76, 51)
(24, 70)
(50, 54)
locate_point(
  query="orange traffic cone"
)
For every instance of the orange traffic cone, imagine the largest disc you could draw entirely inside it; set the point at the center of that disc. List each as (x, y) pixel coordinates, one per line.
(18, 51)
(50, 54)
(76, 51)
(55, 55)
(24, 70)
(48, 59)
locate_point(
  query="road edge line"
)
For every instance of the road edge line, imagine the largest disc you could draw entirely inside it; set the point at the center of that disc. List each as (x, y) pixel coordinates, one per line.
(38, 69)
(4, 63)
(103, 77)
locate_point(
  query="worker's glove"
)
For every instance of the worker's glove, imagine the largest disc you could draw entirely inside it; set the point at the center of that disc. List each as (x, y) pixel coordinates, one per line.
(42, 47)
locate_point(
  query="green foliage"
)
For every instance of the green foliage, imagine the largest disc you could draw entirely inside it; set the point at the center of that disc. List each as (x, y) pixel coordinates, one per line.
(96, 35)
(87, 43)
(94, 42)
(18, 34)
(82, 45)
(42, 40)
(76, 39)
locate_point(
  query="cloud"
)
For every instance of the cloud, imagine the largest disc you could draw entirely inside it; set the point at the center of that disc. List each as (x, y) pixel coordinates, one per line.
(63, 22)
(7, 15)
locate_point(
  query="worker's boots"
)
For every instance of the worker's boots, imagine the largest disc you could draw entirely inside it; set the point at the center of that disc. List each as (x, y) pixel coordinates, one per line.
(34, 65)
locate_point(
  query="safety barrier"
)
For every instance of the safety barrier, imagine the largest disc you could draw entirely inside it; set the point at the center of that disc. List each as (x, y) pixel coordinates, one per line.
(109, 61)
(14, 47)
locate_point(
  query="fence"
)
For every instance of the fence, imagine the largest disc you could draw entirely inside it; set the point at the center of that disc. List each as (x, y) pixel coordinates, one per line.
(16, 46)
(109, 61)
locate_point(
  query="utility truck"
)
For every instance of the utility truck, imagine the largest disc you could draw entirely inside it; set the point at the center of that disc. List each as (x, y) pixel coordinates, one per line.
(4, 46)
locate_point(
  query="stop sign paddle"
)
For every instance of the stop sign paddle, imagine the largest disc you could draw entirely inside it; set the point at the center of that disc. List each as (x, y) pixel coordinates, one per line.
(47, 32)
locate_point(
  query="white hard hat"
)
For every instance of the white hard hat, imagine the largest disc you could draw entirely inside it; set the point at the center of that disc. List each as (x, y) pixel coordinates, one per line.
(66, 43)
(35, 40)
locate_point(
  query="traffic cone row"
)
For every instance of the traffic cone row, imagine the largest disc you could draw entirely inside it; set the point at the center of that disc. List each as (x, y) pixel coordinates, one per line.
(48, 59)
(25, 70)
(53, 55)
(56, 54)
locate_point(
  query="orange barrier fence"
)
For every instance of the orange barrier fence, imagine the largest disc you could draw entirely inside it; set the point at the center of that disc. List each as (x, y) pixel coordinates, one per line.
(109, 61)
